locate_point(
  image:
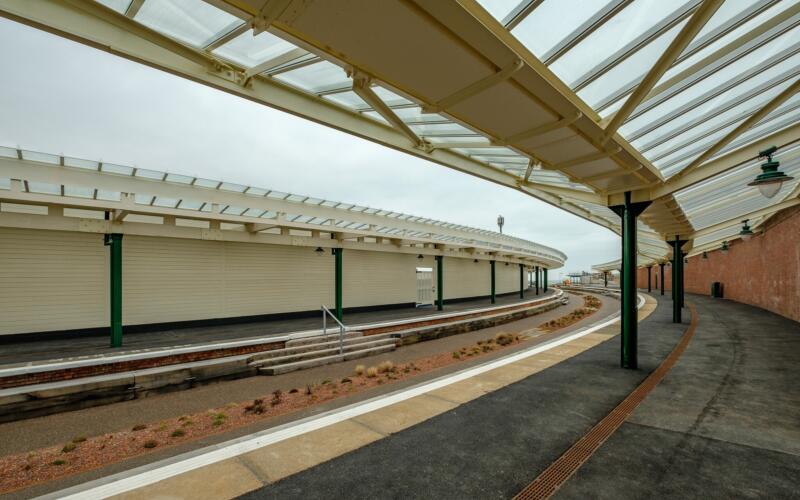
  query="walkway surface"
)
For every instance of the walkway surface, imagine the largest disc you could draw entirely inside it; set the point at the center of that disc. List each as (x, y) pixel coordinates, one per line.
(37, 350)
(722, 424)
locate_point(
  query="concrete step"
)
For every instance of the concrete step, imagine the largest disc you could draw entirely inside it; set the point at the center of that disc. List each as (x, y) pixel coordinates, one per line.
(320, 353)
(324, 343)
(320, 338)
(311, 363)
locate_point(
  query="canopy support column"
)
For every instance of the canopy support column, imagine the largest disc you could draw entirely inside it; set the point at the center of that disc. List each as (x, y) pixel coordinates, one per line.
(439, 282)
(536, 277)
(677, 279)
(521, 281)
(114, 242)
(494, 298)
(649, 280)
(605, 279)
(629, 326)
(337, 254)
(661, 269)
(544, 278)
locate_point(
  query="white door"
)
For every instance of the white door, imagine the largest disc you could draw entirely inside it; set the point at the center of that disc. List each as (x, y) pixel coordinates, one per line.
(424, 286)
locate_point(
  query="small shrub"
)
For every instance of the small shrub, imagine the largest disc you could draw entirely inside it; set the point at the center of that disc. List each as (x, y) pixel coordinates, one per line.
(139, 427)
(277, 397)
(346, 381)
(178, 433)
(326, 382)
(187, 423)
(26, 467)
(386, 367)
(220, 416)
(360, 370)
(79, 439)
(217, 422)
(162, 427)
(181, 419)
(456, 355)
(309, 389)
(68, 448)
(58, 462)
(293, 391)
(372, 372)
(150, 443)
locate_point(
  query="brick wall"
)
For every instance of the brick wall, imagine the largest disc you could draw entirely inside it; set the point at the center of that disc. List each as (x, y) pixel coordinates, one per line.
(763, 271)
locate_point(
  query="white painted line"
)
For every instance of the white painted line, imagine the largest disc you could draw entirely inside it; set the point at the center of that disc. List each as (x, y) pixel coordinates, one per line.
(36, 367)
(165, 469)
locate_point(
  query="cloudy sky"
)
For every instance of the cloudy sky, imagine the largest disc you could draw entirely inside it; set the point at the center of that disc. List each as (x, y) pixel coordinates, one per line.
(61, 97)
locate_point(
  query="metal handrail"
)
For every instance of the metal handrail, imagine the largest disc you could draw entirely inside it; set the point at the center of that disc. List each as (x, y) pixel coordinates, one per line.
(342, 329)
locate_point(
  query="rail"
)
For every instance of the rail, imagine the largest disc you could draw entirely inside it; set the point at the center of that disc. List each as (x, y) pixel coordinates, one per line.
(342, 329)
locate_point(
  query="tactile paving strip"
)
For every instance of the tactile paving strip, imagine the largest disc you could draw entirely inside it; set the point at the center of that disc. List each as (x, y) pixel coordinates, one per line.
(565, 466)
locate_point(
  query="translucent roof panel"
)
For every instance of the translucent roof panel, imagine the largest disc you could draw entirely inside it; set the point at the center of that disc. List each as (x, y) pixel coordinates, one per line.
(316, 78)
(193, 22)
(552, 22)
(499, 8)
(617, 35)
(249, 51)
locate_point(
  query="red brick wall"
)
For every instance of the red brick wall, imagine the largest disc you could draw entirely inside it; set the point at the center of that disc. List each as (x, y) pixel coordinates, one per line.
(655, 278)
(763, 271)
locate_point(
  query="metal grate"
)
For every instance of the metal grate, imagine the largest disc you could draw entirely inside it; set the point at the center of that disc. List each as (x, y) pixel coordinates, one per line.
(567, 464)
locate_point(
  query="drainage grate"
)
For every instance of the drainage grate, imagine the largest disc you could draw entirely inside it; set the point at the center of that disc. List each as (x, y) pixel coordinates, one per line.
(565, 466)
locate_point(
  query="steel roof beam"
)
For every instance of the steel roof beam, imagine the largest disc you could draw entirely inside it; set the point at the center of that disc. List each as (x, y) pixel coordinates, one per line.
(783, 77)
(696, 46)
(747, 43)
(733, 159)
(744, 126)
(587, 28)
(519, 13)
(635, 45)
(678, 44)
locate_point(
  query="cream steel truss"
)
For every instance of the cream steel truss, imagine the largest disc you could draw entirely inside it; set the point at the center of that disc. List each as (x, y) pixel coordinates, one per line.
(574, 105)
(154, 203)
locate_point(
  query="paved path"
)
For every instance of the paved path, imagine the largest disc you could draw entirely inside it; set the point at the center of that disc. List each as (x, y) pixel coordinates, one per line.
(26, 351)
(724, 423)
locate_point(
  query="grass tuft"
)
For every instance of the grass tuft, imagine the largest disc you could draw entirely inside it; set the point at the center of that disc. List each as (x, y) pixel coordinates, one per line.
(178, 433)
(150, 443)
(139, 427)
(68, 448)
(360, 370)
(372, 372)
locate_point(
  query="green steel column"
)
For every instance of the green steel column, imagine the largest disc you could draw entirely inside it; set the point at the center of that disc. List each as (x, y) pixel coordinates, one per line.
(521, 281)
(661, 266)
(536, 277)
(683, 281)
(337, 254)
(544, 279)
(629, 326)
(677, 273)
(493, 289)
(114, 242)
(649, 280)
(439, 282)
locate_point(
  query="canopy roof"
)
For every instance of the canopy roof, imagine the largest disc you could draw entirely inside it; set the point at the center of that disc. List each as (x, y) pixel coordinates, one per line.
(44, 178)
(574, 102)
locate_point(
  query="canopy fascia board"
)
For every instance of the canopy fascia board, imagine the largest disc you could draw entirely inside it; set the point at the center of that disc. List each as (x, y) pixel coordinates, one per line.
(26, 170)
(83, 225)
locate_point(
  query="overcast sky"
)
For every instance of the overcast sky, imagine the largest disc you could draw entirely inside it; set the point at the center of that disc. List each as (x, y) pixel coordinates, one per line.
(62, 97)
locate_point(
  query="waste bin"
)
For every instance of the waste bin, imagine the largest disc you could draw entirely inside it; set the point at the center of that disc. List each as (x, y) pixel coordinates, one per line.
(716, 290)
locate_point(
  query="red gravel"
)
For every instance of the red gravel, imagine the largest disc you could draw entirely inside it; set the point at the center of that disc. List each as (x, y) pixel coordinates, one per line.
(45, 464)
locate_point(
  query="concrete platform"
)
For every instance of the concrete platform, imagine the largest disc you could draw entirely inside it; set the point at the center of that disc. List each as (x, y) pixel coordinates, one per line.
(722, 424)
(14, 353)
